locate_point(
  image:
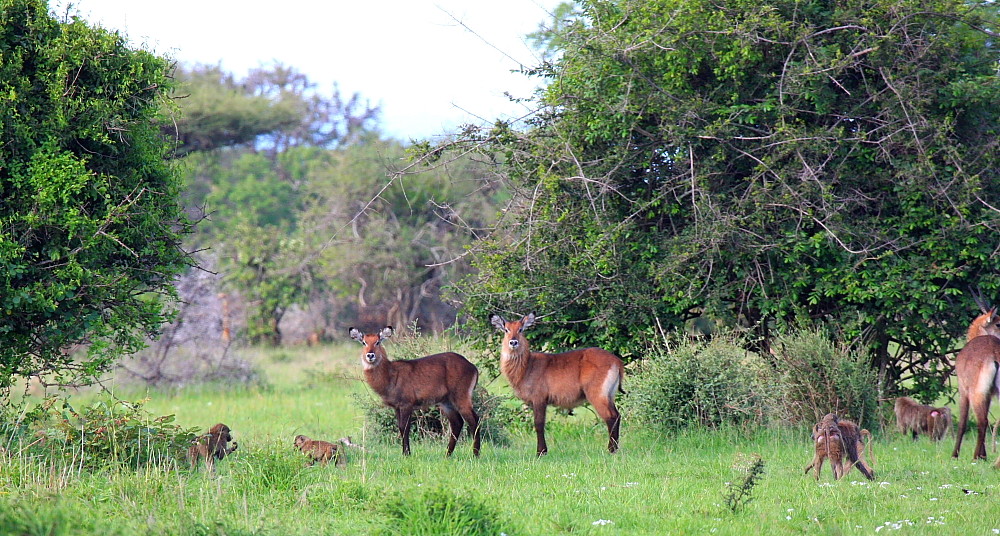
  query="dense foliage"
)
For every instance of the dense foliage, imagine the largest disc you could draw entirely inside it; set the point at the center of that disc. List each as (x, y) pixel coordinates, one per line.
(106, 433)
(764, 164)
(702, 384)
(817, 376)
(90, 224)
(353, 234)
(274, 107)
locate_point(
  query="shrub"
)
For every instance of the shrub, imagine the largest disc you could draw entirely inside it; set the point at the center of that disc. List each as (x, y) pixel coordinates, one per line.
(108, 432)
(700, 384)
(441, 511)
(429, 424)
(818, 377)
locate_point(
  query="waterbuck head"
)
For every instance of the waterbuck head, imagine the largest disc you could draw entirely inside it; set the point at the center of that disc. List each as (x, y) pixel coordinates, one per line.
(373, 352)
(513, 338)
(988, 323)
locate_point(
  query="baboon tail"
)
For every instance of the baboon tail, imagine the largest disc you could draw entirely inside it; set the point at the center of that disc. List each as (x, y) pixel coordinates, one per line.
(865, 470)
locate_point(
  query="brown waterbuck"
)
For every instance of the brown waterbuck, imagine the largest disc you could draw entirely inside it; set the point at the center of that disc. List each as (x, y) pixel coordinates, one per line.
(976, 366)
(446, 379)
(563, 380)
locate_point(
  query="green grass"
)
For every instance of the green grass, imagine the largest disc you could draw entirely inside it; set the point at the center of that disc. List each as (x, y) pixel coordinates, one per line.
(654, 485)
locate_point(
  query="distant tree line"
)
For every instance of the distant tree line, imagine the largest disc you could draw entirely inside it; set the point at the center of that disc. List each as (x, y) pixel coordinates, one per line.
(309, 208)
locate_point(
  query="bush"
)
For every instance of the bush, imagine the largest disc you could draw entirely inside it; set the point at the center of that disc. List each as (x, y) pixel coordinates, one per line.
(700, 384)
(430, 424)
(818, 377)
(107, 433)
(441, 511)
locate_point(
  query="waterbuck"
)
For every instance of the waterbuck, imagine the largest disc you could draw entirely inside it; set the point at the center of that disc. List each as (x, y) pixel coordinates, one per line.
(976, 368)
(565, 380)
(446, 379)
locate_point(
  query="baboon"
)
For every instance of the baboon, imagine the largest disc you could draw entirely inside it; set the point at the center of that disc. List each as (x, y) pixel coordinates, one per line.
(321, 451)
(915, 418)
(855, 447)
(211, 446)
(837, 439)
(828, 443)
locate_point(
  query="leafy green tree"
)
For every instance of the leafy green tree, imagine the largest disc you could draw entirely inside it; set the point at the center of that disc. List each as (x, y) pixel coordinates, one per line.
(250, 148)
(254, 205)
(389, 234)
(217, 111)
(766, 164)
(272, 108)
(90, 224)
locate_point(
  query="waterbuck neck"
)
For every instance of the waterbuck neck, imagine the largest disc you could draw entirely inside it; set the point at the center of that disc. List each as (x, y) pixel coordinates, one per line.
(984, 324)
(379, 375)
(514, 361)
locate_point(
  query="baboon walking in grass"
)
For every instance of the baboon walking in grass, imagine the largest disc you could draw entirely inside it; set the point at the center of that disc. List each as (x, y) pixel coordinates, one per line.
(913, 417)
(840, 440)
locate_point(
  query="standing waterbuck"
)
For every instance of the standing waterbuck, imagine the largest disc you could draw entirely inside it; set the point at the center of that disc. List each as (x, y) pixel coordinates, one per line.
(976, 367)
(563, 380)
(446, 379)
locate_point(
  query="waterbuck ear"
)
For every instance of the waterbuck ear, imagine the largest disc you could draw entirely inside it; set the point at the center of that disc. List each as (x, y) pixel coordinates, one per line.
(528, 321)
(385, 333)
(357, 335)
(498, 322)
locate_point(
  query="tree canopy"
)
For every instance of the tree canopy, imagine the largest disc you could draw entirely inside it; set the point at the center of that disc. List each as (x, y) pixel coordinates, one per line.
(273, 108)
(90, 223)
(764, 164)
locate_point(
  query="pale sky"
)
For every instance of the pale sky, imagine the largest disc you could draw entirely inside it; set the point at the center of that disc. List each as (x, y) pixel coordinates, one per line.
(414, 57)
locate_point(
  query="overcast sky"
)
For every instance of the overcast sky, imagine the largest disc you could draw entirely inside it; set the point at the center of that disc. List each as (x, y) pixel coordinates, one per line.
(431, 64)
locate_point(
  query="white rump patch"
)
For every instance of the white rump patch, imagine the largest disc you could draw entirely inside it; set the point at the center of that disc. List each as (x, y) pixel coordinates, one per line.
(611, 382)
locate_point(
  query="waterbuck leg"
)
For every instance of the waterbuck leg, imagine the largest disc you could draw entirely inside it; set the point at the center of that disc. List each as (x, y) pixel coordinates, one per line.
(403, 421)
(539, 410)
(472, 419)
(982, 426)
(963, 421)
(455, 425)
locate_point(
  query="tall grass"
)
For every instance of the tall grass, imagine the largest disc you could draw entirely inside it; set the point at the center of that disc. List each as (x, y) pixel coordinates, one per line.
(657, 484)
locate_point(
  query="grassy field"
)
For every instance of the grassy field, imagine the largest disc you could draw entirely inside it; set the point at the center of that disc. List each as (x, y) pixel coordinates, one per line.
(654, 485)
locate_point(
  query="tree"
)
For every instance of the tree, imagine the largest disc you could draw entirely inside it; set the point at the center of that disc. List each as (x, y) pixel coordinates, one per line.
(272, 109)
(250, 147)
(388, 235)
(90, 224)
(764, 164)
(217, 111)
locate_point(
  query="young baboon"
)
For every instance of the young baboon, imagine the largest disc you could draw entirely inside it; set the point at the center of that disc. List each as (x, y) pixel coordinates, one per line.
(837, 439)
(854, 447)
(211, 446)
(917, 419)
(828, 443)
(321, 451)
